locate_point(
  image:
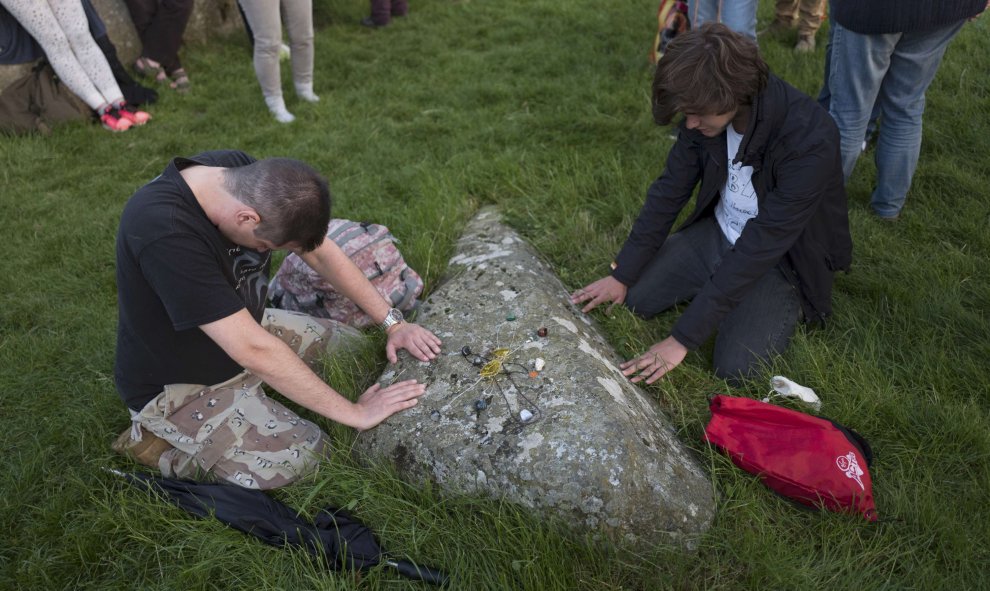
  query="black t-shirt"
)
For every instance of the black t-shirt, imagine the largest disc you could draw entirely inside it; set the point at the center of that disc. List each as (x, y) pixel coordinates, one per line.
(176, 272)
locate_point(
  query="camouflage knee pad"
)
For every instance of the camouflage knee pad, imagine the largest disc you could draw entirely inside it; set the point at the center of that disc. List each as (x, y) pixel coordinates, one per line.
(307, 335)
(234, 432)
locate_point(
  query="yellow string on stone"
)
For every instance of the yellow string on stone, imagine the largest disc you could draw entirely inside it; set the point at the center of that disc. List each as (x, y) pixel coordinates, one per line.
(493, 367)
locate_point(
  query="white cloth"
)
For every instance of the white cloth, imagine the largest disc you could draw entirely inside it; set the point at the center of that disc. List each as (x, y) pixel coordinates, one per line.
(738, 203)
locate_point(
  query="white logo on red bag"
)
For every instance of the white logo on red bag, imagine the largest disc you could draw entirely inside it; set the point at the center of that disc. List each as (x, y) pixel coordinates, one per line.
(850, 467)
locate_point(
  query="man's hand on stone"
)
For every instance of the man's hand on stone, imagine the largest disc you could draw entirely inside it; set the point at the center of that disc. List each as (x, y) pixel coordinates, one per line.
(605, 290)
(377, 403)
(652, 365)
(421, 343)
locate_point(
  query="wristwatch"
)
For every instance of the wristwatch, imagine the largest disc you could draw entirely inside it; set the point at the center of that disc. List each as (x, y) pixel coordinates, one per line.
(393, 317)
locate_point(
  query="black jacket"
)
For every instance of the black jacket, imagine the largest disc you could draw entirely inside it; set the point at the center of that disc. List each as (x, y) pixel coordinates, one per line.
(802, 224)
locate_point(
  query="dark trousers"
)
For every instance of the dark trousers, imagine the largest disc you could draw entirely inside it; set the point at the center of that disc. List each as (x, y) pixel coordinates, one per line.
(160, 24)
(383, 10)
(760, 326)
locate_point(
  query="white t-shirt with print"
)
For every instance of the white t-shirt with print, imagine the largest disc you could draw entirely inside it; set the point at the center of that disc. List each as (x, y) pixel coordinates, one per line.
(738, 203)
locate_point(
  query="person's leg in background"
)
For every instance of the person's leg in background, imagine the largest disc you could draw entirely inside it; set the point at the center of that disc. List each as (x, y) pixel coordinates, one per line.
(738, 15)
(381, 13)
(913, 65)
(266, 24)
(825, 95)
(857, 66)
(298, 16)
(39, 20)
(72, 19)
(161, 25)
(811, 13)
(786, 14)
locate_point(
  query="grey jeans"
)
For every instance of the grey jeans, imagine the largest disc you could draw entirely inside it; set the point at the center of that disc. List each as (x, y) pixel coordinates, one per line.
(265, 19)
(760, 326)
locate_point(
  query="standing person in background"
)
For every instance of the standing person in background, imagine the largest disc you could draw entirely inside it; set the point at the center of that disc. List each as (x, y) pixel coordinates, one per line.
(61, 29)
(769, 228)
(738, 15)
(382, 12)
(806, 15)
(265, 20)
(160, 25)
(887, 52)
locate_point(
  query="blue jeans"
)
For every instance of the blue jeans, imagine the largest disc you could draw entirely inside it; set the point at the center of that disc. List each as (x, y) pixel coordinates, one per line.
(894, 70)
(760, 326)
(825, 95)
(738, 15)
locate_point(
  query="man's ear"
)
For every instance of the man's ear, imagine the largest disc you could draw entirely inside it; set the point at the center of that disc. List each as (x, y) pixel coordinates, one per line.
(247, 215)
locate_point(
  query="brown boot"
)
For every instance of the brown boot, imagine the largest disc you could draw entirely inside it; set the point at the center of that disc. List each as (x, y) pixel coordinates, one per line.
(805, 44)
(146, 452)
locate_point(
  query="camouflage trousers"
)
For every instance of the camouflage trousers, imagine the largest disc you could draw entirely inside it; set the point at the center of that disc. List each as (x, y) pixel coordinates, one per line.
(809, 14)
(232, 431)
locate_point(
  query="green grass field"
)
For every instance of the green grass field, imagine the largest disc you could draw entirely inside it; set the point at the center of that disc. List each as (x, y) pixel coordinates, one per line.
(540, 107)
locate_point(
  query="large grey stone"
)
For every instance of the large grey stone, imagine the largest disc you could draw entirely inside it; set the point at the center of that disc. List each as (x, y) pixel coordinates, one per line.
(597, 452)
(209, 19)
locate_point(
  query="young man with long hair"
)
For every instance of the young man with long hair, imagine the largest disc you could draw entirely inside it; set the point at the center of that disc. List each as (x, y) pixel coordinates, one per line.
(769, 227)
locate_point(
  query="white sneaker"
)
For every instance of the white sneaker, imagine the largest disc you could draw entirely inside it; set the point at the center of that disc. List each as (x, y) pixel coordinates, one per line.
(276, 104)
(305, 92)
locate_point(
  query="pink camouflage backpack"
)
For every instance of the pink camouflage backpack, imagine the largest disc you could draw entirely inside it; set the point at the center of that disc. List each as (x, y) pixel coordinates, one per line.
(299, 288)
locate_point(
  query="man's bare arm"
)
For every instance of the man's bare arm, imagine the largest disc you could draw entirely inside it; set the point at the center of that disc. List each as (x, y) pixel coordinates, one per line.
(336, 267)
(266, 356)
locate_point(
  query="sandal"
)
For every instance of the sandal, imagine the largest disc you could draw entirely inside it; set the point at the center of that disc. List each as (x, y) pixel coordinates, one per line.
(147, 68)
(180, 81)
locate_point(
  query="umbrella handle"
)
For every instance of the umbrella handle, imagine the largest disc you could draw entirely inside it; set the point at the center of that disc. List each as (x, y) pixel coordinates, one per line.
(418, 572)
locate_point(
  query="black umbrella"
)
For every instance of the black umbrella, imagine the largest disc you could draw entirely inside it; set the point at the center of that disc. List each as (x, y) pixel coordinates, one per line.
(334, 533)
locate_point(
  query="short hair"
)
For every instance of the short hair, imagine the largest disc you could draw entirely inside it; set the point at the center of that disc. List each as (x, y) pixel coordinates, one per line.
(707, 71)
(292, 199)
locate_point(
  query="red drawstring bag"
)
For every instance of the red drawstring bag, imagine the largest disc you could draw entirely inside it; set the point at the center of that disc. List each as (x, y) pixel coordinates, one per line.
(811, 460)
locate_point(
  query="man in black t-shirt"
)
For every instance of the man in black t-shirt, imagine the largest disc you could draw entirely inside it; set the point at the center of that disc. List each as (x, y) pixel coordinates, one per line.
(195, 342)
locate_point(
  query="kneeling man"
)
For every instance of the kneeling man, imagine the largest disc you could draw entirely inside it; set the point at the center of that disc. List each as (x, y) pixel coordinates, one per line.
(195, 342)
(769, 227)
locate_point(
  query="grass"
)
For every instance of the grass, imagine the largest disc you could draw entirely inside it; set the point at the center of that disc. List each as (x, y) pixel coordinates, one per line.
(540, 107)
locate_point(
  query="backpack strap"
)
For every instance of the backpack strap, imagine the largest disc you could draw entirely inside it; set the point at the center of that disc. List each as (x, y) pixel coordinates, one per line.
(411, 283)
(347, 226)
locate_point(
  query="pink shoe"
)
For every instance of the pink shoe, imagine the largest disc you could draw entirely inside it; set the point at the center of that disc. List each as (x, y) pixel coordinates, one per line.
(133, 115)
(114, 121)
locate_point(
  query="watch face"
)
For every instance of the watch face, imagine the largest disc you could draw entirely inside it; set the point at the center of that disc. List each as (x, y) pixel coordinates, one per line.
(394, 317)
